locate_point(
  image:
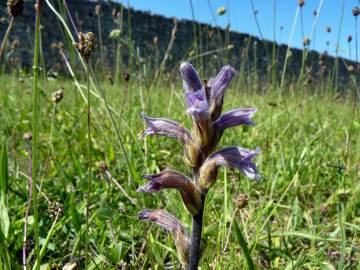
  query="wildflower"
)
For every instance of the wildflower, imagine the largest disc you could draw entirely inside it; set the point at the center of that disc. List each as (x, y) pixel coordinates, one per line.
(169, 223)
(204, 103)
(235, 157)
(15, 7)
(86, 44)
(115, 34)
(172, 179)
(190, 77)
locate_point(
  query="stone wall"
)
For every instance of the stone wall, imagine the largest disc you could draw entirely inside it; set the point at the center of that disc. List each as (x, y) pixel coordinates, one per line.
(150, 35)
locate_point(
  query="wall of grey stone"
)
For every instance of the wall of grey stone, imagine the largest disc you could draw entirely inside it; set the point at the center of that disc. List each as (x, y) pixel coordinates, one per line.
(150, 35)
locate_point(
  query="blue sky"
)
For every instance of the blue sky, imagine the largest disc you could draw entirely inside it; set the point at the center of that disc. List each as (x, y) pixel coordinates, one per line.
(240, 16)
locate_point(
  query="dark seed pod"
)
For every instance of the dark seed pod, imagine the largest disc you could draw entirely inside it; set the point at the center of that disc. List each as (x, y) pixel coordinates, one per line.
(301, 3)
(27, 137)
(15, 7)
(356, 11)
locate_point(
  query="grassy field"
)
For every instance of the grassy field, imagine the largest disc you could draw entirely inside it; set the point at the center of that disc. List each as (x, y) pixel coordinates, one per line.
(304, 214)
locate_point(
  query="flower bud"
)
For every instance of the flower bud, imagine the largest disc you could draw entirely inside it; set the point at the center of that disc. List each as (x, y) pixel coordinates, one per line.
(190, 77)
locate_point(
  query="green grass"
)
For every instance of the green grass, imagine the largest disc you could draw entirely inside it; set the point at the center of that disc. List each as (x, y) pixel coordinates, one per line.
(305, 139)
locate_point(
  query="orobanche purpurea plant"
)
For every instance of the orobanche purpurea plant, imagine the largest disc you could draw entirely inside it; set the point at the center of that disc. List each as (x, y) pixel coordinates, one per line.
(204, 104)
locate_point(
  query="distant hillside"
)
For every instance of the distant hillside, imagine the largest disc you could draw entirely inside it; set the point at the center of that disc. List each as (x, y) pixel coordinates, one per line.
(150, 35)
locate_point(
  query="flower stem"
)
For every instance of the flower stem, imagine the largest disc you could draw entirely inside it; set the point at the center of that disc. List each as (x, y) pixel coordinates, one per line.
(195, 244)
(89, 189)
(6, 37)
(35, 133)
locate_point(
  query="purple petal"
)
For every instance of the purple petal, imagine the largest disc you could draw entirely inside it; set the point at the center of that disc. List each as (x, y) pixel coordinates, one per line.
(164, 219)
(190, 77)
(237, 157)
(219, 85)
(197, 104)
(234, 118)
(164, 127)
(173, 179)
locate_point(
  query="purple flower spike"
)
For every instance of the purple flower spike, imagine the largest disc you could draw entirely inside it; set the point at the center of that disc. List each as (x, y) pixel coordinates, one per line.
(234, 118)
(172, 179)
(190, 77)
(165, 127)
(218, 87)
(237, 157)
(197, 105)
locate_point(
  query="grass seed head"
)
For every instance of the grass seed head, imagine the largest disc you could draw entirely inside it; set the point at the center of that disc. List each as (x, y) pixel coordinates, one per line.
(27, 137)
(57, 96)
(86, 44)
(241, 201)
(356, 11)
(15, 7)
(306, 42)
(349, 38)
(301, 3)
(98, 10)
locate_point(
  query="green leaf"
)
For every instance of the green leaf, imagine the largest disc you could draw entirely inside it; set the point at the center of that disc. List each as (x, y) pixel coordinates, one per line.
(4, 184)
(243, 246)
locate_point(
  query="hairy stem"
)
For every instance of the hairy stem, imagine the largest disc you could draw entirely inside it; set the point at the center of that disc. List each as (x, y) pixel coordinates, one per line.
(195, 244)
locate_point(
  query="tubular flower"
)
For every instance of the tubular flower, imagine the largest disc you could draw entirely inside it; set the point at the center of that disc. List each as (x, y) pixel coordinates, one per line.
(191, 79)
(198, 108)
(169, 223)
(172, 179)
(171, 129)
(218, 87)
(235, 157)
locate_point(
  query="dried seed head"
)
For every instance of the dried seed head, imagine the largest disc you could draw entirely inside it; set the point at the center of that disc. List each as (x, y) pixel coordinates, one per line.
(15, 7)
(349, 38)
(57, 96)
(102, 166)
(324, 209)
(27, 137)
(86, 44)
(155, 40)
(15, 44)
(126, 77)
(356, 11)
(110, 79)
(241, 201)
(98, 9)
(351, 68)
(328, 29)
(315, 12)
(306, 42)
(301, 3)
